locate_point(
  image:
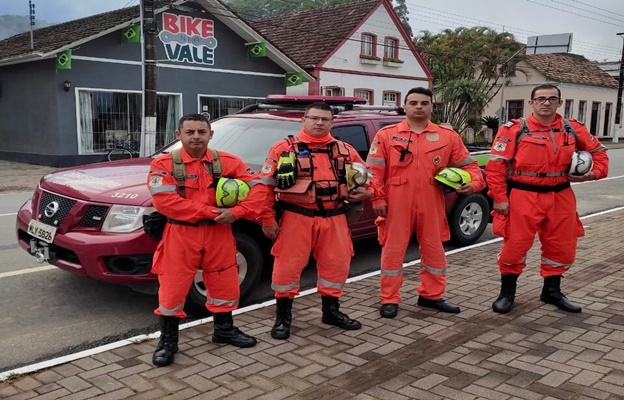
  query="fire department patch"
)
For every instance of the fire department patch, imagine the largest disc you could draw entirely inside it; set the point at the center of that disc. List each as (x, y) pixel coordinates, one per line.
(432, 137)
(373, 150)
(250, 171)
(500, 146)
(155, 181)
(266, 168)
(437, 160)
(592, 138)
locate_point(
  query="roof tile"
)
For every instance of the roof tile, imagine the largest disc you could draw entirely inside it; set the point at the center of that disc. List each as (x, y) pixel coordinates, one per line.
(572, 68)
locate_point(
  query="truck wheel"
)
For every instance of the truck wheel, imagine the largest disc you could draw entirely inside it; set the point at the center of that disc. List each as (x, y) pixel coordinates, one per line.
(468, 219)
(250, 261)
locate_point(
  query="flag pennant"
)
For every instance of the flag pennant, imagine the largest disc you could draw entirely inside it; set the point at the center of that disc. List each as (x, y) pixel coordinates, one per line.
(294, 78)
(131, 34)
(257, 50)
(63, 59)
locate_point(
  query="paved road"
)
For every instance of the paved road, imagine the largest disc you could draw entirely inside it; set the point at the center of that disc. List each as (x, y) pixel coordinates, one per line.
(52, 312)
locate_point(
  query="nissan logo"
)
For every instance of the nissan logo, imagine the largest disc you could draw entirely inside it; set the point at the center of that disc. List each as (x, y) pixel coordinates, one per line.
(51, 209)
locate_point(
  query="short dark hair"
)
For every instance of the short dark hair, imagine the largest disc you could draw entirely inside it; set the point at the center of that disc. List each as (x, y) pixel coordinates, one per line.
(193, 117)
(420, 90)
(545, 86)
(319, 106)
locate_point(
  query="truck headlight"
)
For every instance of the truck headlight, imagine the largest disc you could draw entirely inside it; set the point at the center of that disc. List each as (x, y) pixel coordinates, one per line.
(125, 218)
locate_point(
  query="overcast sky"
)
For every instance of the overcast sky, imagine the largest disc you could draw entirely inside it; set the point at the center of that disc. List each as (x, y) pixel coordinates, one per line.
(594, 23)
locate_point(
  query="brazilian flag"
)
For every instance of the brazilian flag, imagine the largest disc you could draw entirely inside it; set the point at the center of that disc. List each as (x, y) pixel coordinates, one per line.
(294, 78)
(257, 50)
(131, 34)
(63, 59)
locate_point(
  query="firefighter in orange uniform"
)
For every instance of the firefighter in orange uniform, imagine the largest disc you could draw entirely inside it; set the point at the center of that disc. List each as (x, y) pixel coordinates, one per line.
(308, 173)
(198, 234)
(404, 159)
(528, 179)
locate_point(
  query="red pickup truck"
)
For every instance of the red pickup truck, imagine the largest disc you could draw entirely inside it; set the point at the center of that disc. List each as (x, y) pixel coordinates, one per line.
(88, 219)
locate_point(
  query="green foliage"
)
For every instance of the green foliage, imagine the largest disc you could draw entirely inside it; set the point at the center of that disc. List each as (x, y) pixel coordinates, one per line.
(490, 122)
(255, 9)
(403, 13)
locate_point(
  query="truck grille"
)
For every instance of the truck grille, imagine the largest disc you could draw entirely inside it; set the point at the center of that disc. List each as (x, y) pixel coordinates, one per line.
(94, 216)
(54, 203)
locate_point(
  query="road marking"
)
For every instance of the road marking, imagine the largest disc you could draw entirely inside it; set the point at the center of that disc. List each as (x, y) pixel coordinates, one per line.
(27, 271)
(140, 338)
(7, 215)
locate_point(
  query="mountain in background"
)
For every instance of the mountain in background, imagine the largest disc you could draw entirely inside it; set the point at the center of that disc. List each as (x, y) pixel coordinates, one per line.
(11, 25)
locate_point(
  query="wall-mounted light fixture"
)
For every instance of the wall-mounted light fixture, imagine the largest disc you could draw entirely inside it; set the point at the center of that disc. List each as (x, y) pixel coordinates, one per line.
(66, 85)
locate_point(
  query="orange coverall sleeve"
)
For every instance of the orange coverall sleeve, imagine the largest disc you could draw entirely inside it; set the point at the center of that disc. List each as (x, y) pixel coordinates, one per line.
(460, 157)
(251, 207)
(588, 142)
(165, 196)
(501, 155)
(376, 161)
(267, 174)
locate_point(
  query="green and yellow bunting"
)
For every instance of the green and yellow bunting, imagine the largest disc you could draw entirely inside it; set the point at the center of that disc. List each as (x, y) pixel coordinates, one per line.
(131, 34)
(63, 60)
(257, 50)
(294, 78)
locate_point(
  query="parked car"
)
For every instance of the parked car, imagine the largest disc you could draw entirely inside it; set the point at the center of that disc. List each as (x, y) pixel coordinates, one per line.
(88, 219)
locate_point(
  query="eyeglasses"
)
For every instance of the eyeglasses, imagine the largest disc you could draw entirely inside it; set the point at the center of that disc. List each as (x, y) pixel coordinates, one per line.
(324, 120)
(542, 100)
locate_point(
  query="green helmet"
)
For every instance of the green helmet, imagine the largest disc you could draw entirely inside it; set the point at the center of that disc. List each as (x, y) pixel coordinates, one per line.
(231, 191)
(453, 177)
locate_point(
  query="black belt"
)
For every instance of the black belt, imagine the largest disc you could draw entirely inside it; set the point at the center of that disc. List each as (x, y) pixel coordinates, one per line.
(206, 221)
(538, 188)
(310, 212)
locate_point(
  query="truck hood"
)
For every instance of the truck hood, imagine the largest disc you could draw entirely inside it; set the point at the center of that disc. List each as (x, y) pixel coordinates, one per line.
(117, 182)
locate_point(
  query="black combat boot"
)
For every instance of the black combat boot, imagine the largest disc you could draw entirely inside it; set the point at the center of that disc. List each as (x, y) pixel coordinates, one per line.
(168, 344)
(507, 295)
(333, 316)
(226, 332)
(283, 318)
(551, 294)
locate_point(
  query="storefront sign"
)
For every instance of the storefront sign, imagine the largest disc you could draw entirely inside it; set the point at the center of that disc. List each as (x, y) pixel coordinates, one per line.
(187, 39)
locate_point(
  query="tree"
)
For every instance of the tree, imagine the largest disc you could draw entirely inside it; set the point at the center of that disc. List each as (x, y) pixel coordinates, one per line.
(466, 64)
(402, 12)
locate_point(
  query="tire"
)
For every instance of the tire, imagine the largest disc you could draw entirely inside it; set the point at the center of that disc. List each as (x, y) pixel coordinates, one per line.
(468, 219)
(250, 259)
(119, 154)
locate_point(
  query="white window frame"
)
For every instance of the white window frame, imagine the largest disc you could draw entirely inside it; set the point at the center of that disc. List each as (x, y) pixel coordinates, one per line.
(334, 91)
(368, 46)
(582, 111)
(366, 93)
(391, 45)
(388, 101)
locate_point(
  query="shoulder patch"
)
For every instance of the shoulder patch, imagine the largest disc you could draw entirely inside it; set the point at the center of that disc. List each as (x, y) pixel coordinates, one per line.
(510, 124)
(250, 171)
(500, 146)
(155, 181)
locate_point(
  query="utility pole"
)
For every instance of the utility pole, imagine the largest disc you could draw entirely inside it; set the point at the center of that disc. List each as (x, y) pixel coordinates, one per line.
(149, 29)
(505, 66)
(618, 106)
(31, 8)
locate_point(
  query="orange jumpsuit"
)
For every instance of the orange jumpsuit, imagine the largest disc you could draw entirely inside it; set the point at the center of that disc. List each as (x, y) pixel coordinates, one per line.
(539, 161)
(212, 247)
(328, 237)
(415, 201)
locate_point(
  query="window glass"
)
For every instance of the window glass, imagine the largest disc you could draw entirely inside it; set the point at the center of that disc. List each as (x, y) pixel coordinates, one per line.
(355, 135)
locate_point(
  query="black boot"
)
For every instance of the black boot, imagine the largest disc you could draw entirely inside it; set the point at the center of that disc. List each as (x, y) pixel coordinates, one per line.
(551, 294)
(168, 344)
(283, 318)
(507, 295)
(226, 332)
(333, 316)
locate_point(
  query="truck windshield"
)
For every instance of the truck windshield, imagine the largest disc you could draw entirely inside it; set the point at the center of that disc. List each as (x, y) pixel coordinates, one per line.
(248, 138)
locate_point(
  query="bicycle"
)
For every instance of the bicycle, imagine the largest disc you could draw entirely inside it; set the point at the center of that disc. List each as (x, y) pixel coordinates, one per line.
(127, 150)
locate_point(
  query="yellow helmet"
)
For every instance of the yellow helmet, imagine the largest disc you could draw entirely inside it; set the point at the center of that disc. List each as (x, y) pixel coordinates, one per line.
(358, 175)
(453, 177)
(231, 191)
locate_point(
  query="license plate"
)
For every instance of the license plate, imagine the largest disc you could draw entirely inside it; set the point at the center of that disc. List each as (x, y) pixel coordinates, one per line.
(41, 231)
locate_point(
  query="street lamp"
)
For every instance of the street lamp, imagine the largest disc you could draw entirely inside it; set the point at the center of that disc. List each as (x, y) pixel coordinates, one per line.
(618, 106)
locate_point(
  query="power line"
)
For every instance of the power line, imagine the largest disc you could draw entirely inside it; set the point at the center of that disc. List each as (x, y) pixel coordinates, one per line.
(593, 12)
(573, 13)
(598, 8)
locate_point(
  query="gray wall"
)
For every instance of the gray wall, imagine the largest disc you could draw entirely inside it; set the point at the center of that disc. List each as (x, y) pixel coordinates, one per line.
(38, 118)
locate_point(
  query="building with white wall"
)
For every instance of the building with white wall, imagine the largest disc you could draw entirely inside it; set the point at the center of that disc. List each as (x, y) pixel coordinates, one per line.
(355, 49)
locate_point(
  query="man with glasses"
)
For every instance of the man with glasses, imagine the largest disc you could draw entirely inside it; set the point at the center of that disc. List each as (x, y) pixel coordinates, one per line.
(528, 178)
(308, 174)
(407, 199)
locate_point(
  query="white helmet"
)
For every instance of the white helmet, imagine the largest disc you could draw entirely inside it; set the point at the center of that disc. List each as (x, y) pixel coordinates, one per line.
(358, 175)
(582, 163)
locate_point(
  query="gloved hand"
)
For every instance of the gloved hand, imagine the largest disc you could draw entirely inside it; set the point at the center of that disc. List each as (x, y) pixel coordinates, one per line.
(286, 168)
